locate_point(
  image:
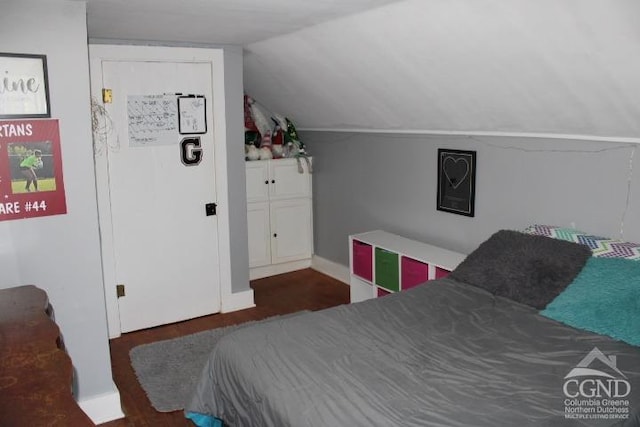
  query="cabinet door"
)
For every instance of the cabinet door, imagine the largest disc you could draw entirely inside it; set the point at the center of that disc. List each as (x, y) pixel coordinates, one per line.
(259, 234)
(286, 181)
(257, 181)
(291, 232)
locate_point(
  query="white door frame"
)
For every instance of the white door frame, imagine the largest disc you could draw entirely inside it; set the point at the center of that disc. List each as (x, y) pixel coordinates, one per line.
(215, 56)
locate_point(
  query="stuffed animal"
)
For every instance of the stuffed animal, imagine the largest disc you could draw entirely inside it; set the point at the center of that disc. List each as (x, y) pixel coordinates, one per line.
(249, 123)
(265, 153)
(261, 120)
(277, 150)
(277, 141)
(251, 152)
(273, 134)
(252, 137)
(296, 147)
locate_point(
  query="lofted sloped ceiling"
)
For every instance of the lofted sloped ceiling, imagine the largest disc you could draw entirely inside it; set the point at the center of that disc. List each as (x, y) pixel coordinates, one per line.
(235, 22)
(567, 67)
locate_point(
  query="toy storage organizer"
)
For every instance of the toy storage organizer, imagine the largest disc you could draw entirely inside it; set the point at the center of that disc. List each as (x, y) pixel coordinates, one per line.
(382, 263)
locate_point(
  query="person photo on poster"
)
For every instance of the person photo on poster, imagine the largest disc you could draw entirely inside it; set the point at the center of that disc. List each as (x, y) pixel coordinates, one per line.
(35, 168)
(28, 168)
(456, 181)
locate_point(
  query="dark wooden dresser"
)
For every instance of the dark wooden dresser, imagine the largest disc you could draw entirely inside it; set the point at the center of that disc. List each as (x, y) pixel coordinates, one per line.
(35, 371)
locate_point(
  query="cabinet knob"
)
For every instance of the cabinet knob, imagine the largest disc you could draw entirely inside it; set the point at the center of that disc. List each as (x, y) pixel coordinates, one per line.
(273, 181)
(267, 181)
(275, 234)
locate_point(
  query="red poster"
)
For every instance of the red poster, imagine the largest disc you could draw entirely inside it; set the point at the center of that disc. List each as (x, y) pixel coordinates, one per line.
(31, 181)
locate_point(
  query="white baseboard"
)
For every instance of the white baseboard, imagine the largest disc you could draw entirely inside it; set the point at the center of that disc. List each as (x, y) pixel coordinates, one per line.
(237, 301)
(331, 269)
(273, 269)
(103, 408)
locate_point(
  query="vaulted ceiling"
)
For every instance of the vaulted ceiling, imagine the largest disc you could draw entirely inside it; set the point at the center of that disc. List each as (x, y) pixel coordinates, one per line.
(545, 66)
(236, 22)
(567, 67)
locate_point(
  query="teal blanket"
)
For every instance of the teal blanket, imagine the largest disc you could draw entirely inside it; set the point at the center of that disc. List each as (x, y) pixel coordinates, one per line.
(604, 298)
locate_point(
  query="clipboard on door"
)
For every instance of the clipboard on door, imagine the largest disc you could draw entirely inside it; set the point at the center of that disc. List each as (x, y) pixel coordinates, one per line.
(192, 114)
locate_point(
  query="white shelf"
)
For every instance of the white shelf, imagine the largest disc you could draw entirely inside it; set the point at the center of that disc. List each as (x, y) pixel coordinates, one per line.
(439, 257)
(433, 257)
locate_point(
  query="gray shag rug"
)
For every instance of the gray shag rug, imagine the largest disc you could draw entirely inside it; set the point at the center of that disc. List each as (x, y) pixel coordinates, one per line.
(169, 370)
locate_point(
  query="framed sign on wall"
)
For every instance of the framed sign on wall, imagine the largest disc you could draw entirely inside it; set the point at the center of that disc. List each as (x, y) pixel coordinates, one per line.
(456, 181)
(24, 88)
(192, 111)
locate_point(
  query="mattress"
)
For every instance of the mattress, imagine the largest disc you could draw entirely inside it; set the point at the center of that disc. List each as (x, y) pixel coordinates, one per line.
(442, 354)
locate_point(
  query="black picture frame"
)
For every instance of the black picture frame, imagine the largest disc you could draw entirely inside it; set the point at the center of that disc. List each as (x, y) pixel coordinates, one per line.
(24, 88)
(456, 181)
(192, 115)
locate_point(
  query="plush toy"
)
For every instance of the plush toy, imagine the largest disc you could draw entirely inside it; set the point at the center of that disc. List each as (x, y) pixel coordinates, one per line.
(249, 123)
(251, 152)
(277, 150)
(277, 141)
(265, 153)
(280, 121)
(296, 147)
(252, 137)
(261, 120)
(273, 134)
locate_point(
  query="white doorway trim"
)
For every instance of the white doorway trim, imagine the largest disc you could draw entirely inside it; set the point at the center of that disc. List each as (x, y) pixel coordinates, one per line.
(99, 53)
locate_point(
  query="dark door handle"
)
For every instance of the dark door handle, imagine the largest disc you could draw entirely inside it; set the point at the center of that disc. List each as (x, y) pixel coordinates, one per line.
(210, 209)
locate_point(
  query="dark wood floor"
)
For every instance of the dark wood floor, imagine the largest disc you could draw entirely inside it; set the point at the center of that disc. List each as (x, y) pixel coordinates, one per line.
(285, 293)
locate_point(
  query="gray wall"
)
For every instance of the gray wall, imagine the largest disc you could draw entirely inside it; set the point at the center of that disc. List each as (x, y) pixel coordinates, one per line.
(368, 181)
(61, 253)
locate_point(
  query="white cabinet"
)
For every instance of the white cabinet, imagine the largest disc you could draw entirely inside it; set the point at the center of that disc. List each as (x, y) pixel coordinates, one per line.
(259, 229)
(291, 230)
(257, 181)
(279, 214)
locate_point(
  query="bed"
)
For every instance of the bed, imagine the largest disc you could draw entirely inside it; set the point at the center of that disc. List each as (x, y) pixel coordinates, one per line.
(487, 346)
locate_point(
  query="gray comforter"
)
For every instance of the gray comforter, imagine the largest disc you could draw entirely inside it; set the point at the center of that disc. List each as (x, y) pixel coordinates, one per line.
(442, 354)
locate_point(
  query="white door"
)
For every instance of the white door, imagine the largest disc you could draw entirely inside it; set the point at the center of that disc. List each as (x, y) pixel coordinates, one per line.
(165, 247)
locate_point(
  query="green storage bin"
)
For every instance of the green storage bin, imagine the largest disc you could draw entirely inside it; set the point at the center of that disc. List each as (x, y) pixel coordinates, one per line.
(387, 270)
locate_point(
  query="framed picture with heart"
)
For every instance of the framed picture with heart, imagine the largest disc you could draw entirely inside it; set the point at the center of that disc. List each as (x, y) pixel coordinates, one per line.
(456, 181)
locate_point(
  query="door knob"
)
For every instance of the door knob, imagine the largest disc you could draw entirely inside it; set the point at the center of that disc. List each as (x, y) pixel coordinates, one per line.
(210, 209)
